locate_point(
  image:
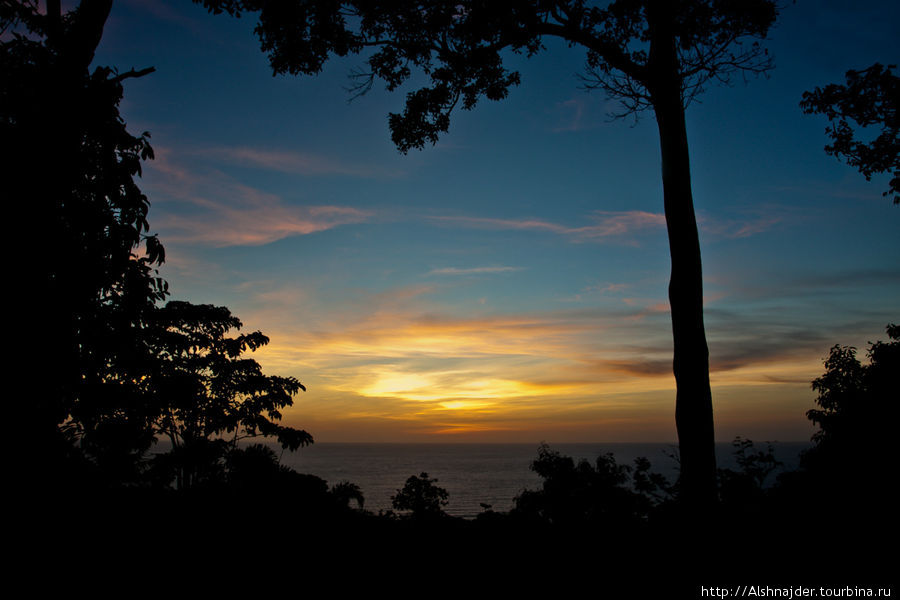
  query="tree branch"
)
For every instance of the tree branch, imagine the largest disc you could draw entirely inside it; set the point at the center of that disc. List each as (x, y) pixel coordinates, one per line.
(611, 53)
(132, 73)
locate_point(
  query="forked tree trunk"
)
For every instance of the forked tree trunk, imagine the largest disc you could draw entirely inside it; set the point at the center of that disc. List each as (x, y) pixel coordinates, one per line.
(693, 402)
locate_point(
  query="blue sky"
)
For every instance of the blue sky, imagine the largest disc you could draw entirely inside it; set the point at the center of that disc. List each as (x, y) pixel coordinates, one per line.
(509, 284)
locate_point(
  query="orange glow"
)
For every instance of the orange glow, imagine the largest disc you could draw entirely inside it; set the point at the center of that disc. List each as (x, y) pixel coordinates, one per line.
(414, 372)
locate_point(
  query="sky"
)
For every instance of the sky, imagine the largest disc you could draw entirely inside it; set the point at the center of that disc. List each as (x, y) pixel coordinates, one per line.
(509, 284)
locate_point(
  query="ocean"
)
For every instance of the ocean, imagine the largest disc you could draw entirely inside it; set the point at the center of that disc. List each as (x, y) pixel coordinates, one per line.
(477, 473)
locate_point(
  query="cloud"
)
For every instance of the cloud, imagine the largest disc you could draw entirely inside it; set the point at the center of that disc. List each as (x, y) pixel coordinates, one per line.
(623, 225)
(793, 286)
(612, 287)
(571, 113)
(738, 228)
(597, 290)
(404, 359)
(255, 219)
(606, 224)
(211, 208)
(473, 270)
(292, 162)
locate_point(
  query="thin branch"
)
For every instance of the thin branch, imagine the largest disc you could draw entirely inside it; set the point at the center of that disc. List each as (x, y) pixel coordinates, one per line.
(362, 83)
(611, 53)
(132, 73)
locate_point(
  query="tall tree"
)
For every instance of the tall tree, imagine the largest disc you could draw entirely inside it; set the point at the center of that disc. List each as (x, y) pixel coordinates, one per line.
(209, 396)
(870, 99)
(87, 265)
(651, 54)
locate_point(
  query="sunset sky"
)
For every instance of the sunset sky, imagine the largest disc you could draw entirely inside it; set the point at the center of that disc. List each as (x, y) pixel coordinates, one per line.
(509, 284)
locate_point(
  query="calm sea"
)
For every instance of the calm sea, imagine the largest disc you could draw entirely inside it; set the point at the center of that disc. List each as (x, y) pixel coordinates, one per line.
(474, 473)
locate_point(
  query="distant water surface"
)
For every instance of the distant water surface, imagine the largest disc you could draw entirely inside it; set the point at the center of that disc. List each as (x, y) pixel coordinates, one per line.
(475, 473)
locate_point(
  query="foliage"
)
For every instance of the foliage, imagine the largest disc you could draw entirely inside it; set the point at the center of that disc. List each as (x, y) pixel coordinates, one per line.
(69, 167)
(422, 497)
(845, 482)
(870, 98)
(857, 406)
(124, 369)
(254, 470)
(345, 491)
(746, 486)
(460, 46)
(209, 396)
(576, 494)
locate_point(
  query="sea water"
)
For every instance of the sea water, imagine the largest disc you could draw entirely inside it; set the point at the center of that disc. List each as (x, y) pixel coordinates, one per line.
(477, 474)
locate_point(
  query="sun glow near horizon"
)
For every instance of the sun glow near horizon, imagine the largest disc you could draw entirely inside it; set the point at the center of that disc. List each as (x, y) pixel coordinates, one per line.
(568, 382)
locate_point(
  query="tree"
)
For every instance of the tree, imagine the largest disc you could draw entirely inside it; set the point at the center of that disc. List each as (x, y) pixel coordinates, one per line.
(89, 270)
(582, 494)
(422, 497)
(209, 396)
(857, 409)
(651, 54)
(846, 479)
(346, 491)
(871, 98)
(122, 370)
(747, 486)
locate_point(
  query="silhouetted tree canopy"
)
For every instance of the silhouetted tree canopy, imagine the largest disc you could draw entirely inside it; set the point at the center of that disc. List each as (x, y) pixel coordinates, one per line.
(746, 486)
(460, 46)
(857, 406)
(650, 54)
(345, 491)
(604, 494)
(845, 483)
(210, 396)
(69, 166)
(870, 99)
(422, 497)
(111, 370)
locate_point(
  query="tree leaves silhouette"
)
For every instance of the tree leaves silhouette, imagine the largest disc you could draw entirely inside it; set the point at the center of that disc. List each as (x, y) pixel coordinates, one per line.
(89, 276)
(870, 98)
(110, 369)
(210, 396)
(422, 497)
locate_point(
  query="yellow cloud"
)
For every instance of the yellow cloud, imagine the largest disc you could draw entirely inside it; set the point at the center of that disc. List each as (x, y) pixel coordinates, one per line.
(392, 362)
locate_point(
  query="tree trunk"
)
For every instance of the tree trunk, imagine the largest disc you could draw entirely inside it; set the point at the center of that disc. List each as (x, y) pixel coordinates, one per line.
(693, 402)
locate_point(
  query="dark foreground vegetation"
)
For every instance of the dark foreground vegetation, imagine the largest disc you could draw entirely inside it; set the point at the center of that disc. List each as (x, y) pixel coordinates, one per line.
(110, 366)
(823, 523)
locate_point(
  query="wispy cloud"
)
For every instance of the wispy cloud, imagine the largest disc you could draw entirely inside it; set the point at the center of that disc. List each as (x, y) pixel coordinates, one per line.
(419, 350)
(622, 226)
(298, 163)
(211, 208)
(260, 219)
(605, 224)
(571, 113)
(581, 113)
(405, 359)
(738, 228)
(474, 270)
(608, 288)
